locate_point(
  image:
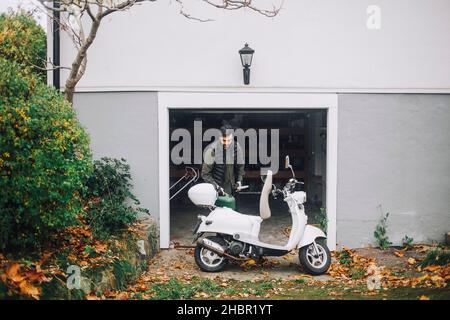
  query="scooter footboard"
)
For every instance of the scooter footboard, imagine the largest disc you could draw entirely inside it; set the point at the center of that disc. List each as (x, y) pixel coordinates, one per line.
(309, 235)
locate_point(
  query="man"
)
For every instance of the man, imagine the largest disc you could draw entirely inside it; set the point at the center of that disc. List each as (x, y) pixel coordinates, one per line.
(223, 164)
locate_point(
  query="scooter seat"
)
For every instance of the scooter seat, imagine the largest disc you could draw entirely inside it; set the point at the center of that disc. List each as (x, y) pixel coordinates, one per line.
(255, 218)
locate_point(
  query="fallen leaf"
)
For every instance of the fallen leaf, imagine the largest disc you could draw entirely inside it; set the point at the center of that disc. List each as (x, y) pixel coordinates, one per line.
(83, 263)
(438, 280)
(28, 289)
(432, 268)
(423, 297)
(399, 253)
(248, 263)
(13, 273)
(84, 232)
(411, 261)
(303, 276)
(100, 248)
(36, 276)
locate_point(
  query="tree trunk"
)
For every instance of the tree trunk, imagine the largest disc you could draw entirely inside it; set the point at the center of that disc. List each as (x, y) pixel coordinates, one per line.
(68, 93)
(80, 62)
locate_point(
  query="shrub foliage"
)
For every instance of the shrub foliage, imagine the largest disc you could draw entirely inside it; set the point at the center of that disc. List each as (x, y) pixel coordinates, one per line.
(44, 159)
(112, 205)
(24, 41)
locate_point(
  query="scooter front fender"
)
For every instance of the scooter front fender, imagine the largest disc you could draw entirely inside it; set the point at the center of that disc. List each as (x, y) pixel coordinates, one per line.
(309, 235)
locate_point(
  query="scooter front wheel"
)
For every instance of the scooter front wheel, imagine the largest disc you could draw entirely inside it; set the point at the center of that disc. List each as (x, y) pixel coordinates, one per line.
(315, 259)
(208, 260)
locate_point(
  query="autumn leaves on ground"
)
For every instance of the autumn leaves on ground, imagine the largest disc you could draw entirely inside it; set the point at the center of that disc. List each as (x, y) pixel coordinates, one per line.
(418, 272)
(398, 271)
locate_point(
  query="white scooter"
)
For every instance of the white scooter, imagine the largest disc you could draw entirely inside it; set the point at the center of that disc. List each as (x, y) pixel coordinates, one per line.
(226, 235)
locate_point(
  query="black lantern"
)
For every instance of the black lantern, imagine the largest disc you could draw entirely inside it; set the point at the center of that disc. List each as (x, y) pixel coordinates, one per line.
(246, 54)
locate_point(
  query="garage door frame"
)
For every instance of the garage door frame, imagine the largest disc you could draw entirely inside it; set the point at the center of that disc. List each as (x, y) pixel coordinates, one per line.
(245, 100)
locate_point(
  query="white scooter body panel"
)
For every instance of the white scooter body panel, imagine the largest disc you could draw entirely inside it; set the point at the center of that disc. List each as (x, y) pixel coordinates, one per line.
(228, 221)
(310, 234)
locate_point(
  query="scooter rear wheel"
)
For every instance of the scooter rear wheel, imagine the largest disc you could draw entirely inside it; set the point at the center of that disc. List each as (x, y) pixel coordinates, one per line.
(208, 260)
(312, 262)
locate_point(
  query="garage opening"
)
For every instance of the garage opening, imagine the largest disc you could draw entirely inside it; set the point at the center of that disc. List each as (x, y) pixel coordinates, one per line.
(302, 135)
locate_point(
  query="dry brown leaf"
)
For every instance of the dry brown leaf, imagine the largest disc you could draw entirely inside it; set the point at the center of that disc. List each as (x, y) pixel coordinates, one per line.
(411, 261)
(100, 248)
(438, 280)
(423, 278)
(123, 296)
(248, 263)
(85, 232)
(432, 268)
(83, 263)
(399, 253)
(179, 265)
(28, 289)
(13, 273)
(36, 276)
(424, 297)
(303, 276)
(287, 231)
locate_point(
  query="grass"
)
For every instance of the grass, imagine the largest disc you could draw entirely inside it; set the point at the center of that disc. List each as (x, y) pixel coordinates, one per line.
(344, 257)
(173, 290)
(336, 292)
(436, 256)
(357, 273)
(124, 272)
(298, 289)
(259, 288)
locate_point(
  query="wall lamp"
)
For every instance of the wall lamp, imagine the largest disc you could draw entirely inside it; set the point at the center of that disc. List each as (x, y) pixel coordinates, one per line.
(246, 54)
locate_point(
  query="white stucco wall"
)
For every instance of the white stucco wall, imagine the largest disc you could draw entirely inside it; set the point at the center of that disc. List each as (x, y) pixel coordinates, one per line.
(311, 45)
(393, 151)
(125, 125)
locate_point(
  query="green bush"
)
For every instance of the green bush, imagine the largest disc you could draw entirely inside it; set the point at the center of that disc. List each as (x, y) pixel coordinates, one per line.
(24, 41)
(407, 242)
(380, 233)
(323, 220)
(112, 205)
(44, 159)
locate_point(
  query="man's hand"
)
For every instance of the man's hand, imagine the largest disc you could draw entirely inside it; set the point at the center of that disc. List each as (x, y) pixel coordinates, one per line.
(220, 190)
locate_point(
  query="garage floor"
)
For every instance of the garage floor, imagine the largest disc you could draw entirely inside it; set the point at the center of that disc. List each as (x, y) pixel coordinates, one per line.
(183, 218)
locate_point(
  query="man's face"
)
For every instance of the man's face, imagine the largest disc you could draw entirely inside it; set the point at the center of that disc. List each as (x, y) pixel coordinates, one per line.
(226, 140)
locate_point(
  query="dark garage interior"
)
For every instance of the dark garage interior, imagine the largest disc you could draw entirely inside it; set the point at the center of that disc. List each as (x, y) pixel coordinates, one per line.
(302, 136)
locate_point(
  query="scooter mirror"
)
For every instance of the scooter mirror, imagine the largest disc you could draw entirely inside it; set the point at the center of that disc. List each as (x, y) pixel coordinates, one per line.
(287, 163)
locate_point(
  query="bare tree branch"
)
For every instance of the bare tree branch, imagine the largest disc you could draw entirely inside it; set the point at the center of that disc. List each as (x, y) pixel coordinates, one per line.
(187, 15)
(72, 11)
